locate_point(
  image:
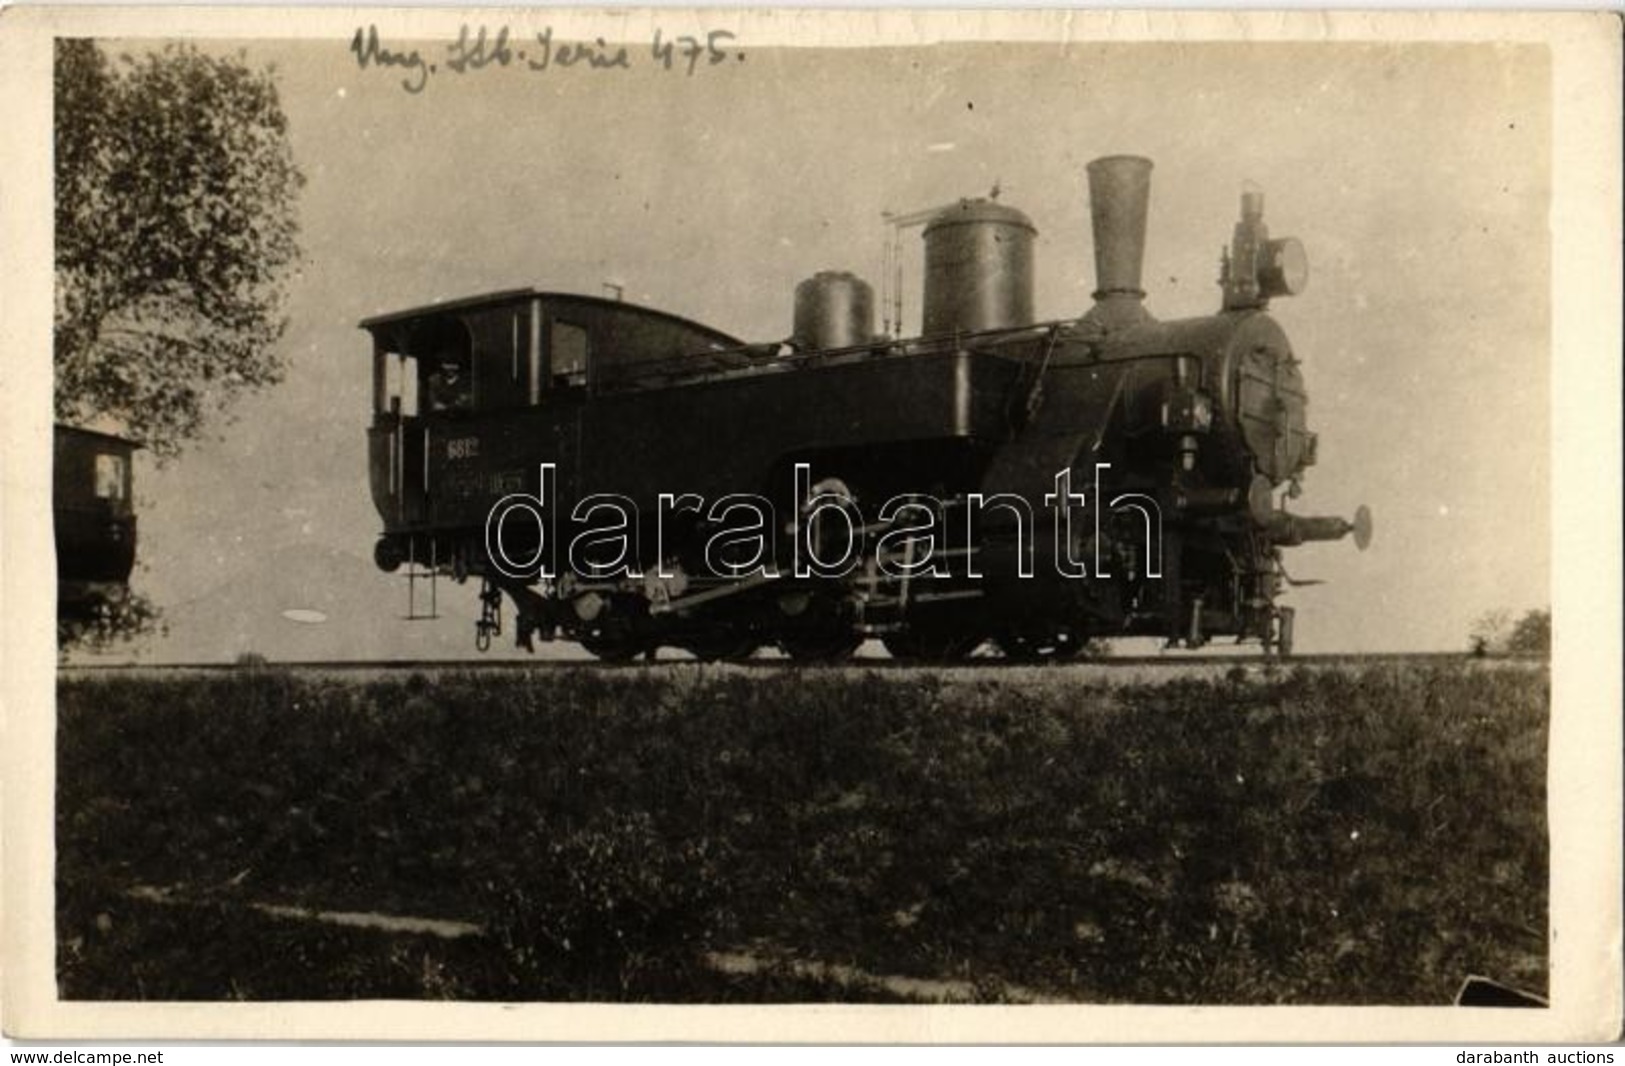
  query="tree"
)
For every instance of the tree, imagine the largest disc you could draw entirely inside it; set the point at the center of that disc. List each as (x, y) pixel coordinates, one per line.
(1496, 634)
(1488, 634)
(176, 228)
(106, 620)
(1532, 635)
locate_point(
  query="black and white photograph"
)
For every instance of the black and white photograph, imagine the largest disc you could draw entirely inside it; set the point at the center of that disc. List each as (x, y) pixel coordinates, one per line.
(676, 508)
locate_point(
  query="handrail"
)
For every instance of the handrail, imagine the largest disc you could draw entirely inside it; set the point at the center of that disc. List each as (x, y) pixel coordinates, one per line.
(700, 365)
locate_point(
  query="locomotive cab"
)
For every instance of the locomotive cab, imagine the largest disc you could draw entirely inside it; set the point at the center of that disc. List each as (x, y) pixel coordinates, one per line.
(470, 396)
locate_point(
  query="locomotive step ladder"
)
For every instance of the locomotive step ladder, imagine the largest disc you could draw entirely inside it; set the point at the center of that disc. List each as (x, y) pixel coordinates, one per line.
(418, 572)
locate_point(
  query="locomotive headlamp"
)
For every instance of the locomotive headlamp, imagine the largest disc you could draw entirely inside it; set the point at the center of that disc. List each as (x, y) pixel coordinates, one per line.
(1187, 410)
(1256, 268)
(1201, 410)
(1283, 269)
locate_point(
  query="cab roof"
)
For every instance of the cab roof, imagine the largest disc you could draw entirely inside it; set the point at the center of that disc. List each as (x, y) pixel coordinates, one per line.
(509, 296)
(69, 431)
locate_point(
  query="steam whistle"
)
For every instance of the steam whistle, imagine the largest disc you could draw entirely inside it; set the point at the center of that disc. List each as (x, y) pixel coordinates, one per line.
(1255, 268)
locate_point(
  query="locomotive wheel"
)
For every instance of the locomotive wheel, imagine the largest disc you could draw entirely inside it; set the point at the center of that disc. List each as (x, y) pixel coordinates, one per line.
(815, 630)
(929, 647)
(1034, 647)
(617, 629)
(820, 647)
(725, 645)
(614, 647)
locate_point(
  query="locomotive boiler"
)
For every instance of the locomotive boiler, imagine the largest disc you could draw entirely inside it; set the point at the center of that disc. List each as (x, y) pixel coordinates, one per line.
(630, 479)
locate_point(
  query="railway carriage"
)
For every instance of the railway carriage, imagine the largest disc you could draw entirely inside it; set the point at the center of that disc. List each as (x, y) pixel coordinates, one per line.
(94, 518)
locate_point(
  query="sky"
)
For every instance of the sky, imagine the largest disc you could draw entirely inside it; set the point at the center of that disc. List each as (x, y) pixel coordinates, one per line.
(1417, 176)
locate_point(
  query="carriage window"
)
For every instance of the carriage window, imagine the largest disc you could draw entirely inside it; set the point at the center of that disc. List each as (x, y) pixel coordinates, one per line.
(110, 477)
(400, 385)
(567, 350)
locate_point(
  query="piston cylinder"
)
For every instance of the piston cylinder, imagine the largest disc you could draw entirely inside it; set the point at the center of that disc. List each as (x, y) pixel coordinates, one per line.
(834, 309)
(978, 268)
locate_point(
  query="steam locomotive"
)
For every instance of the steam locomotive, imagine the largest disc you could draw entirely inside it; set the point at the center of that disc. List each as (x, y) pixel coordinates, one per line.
(94, 519)
(630, 479)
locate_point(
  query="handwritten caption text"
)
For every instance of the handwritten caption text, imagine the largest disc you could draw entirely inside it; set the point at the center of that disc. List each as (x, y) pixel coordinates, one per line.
(479, 48)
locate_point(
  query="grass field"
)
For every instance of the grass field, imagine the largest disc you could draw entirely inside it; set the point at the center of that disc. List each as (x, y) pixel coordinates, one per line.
(1339, 835)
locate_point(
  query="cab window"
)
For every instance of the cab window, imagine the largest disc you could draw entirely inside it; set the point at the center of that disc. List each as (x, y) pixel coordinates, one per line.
(447, 374)
(447, 381)
(567, 351)
(399, 395)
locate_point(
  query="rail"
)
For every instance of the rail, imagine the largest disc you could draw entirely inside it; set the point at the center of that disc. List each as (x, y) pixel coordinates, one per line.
(1108, 663)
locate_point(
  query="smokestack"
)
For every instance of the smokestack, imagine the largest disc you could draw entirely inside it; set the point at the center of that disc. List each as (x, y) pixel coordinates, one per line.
(1119, 190)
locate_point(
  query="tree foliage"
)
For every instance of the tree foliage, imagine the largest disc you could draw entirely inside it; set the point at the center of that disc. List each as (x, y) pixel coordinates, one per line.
(1489, 632)
(176, 229)
(1532, 635)
(1495, 633)
(105, 622)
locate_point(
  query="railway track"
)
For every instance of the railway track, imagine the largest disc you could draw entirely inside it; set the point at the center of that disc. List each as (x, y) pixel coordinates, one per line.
(1123, 668)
